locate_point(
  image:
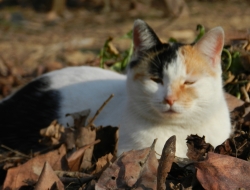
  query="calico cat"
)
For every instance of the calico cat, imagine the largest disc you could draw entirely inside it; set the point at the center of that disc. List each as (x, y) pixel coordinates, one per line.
(170, 89)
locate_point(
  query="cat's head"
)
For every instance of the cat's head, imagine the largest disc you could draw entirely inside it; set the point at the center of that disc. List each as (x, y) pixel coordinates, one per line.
(171, 80)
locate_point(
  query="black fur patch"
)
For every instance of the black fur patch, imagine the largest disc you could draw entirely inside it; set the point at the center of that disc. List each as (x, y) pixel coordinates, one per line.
(167, 54)
(160, 56)
(22, 116)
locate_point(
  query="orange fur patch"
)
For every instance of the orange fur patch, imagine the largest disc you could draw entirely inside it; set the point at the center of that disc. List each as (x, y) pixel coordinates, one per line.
(183, 93)
(196, 64)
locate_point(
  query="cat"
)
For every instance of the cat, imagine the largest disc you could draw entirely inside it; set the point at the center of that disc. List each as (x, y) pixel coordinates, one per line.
(169, 89)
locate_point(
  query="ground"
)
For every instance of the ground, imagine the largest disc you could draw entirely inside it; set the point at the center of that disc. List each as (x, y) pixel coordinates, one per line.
(32, 45)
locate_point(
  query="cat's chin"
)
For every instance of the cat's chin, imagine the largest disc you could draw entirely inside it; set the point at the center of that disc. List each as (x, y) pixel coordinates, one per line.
(171, 112)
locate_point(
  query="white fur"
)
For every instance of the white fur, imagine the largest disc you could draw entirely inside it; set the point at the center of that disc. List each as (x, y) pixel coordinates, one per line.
(138, 106)
(133, 107)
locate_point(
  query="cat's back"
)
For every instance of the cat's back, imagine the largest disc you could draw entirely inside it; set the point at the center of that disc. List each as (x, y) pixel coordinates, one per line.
(87, 88)
(50, 97)
(81, 74)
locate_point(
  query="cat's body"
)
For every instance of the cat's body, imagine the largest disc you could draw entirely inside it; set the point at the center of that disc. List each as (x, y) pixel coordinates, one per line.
(170, 89)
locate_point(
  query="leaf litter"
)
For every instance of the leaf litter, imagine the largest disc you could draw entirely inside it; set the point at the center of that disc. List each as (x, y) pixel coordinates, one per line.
(74, 160)
(135, 169)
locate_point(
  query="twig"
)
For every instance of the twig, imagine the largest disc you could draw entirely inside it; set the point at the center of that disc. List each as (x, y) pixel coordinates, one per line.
(248, 86)
(72, 174)
(99, 110)
(229, 80)
(240, 82)
(165, 163)
(236, 150)
(245, 94)
(242, 145)
(82, 180)
(15, 151)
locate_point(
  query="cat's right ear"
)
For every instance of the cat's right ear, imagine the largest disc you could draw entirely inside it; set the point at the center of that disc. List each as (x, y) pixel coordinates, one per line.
(144, 37)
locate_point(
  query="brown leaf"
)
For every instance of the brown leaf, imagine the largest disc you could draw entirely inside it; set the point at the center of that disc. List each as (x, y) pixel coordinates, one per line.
(31, 170)
(232, 101)
(103, 162)
(238, 144)
(165, 163)
(48, 178)
(75, 159)
(84, 136)
(223, 172)
(135, 168)
(224, 148)
(56, 133)
(52, 134)
(197, 147)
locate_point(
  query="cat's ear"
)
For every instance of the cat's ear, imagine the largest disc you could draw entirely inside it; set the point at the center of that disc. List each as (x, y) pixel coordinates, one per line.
(211, 45)
(143, 36)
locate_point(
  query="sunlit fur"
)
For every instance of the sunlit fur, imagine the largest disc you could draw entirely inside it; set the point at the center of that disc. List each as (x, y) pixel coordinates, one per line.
(193, 78)
(200, 107)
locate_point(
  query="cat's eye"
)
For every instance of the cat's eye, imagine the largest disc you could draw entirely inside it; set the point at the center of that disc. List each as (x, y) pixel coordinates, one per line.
(189, 82)
(157, 80)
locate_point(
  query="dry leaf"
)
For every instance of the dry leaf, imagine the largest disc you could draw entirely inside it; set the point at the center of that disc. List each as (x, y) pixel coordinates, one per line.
(52, 134)
(75, 159)
(32, 169)
(135, 168)
(85, 134)
(48, 178)
(223, 172)
(103, 162)
(232, 101)
(56, 133)
(197, 147)
(165, 163)
(238, 144)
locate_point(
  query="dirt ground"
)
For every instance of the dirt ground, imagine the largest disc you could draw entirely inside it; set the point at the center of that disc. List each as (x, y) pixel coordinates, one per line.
(29, 42)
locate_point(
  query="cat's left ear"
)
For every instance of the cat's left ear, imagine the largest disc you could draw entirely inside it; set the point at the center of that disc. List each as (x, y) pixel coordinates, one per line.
(211, 45)
(144, 37)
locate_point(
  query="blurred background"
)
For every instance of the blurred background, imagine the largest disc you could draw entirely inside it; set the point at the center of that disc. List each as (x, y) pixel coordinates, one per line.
(37, 36)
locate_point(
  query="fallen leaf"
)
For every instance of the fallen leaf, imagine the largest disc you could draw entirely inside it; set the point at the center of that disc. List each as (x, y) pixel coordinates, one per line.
(165, 163)
(85, 134)
(223, 172)
(197, 147)
(103, 163)
(32, 169)
(238, 144)
(48, 178)
(133, 169)
(232, 101)
(56, 133)
(52, 134)
(75, 159)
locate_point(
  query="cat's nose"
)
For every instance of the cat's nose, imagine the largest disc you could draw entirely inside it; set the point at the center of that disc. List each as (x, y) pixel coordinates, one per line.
(170, 100)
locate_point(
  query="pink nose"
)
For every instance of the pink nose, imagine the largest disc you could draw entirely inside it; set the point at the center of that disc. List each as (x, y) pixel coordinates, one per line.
(170, 100)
